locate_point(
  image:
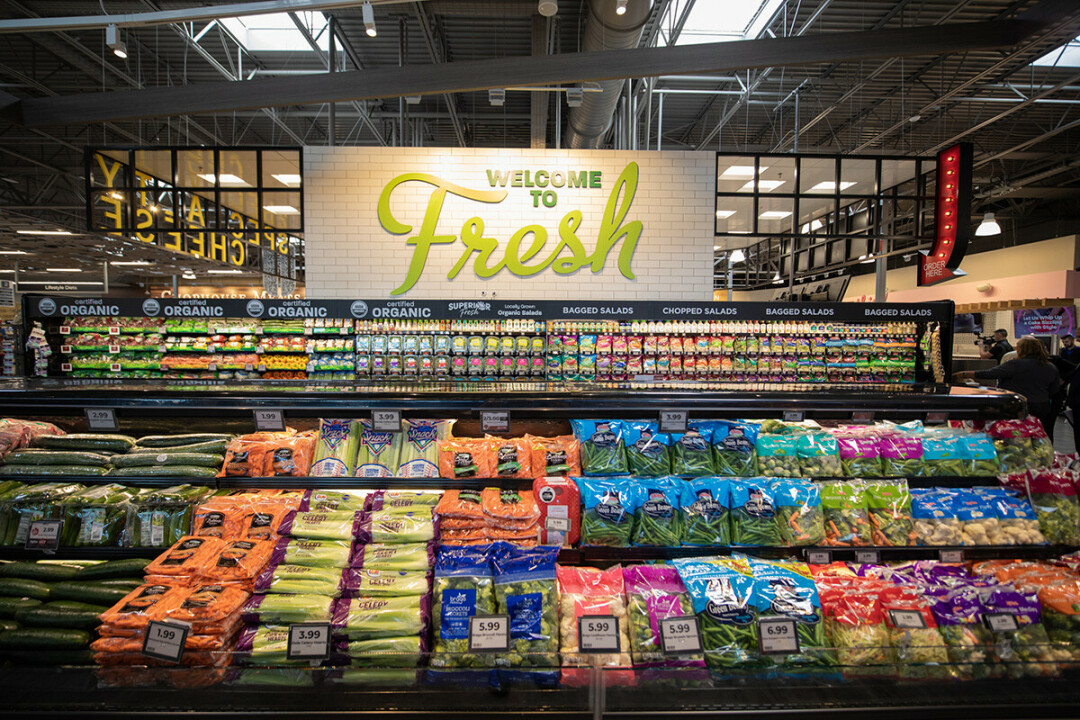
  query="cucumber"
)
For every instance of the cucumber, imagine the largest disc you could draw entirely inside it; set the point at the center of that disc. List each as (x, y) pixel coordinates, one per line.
(85, 592)
(8, 625)
(215, 447)
(44, 639)
(9, 470)
(166, 471)
(51, 617)
(37, 571)
(87, 441)
(75, 605)
(129, 583)
(30, 658)
(22, 588)
(10, 605)
(162, 441)
(34, 456)
(166, 458)
(114, 569)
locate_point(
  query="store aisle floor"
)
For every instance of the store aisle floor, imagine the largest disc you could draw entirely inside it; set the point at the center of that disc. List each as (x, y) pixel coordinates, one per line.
(1063, 436)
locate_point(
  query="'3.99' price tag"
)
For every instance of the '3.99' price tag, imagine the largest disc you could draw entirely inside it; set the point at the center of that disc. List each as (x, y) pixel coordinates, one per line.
(308, 641)
(679, 635)
(778, 636)
(386, 421)
(165, 641)
(598, 634)
(489, 633)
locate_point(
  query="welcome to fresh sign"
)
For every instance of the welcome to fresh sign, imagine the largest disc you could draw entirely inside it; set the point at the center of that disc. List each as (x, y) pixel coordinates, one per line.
(438, 223)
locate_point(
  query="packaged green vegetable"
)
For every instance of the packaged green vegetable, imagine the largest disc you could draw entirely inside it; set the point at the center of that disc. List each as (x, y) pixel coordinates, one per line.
(901, 455)
(340, 526)
(860, 455)
(96, 516)
(818, 454)
(603, 450)
(943, 456)
(968, 642)
(657, 520)
(312, 553)
(288, 609)
(705, 506)
(387, 652)
(1054, 499)
(734, 448)
(159, 518)
(420, 447)
(856, 623)
(607, 517)
(655, 593)
(777, 456)
(913, 634)
(648, 451)
(889, 506)
(300, 580)
(384, 527)
(798, 512)
(847, 521)
(336, 448)
(403, 556)
(366, 618)
(753, 513)
(786, 589)
(463, 588)
(691, 453)
(379, 453)
(722, 592)
(525, 589)
(980, 456)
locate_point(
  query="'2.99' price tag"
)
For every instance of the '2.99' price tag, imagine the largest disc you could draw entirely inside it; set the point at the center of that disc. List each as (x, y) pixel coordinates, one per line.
(44, 535)
(489, 633)
(598, 634)
(778, 636)
(679, 635)
(308, 641)
(165, 641)
(101, 419)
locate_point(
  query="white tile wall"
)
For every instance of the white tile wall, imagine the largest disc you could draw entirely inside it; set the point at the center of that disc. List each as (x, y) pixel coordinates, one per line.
(350, 255)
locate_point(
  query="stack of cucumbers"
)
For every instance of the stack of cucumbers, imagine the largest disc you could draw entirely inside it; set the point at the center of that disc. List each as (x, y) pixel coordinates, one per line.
(49, 609)
(197, 455)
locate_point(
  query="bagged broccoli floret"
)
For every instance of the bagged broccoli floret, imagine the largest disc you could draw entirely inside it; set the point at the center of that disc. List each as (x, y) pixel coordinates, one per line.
(463, 588)
(525, 589)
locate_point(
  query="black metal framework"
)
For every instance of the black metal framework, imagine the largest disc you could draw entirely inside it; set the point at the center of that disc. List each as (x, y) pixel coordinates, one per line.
(222, 204)
(807, 215)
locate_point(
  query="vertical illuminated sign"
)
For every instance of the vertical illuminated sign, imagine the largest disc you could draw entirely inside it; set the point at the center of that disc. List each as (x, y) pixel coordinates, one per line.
(952, 216)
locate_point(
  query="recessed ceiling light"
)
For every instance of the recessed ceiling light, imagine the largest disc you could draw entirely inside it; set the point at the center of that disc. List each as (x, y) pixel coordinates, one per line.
(68, 270)
(724, 214)
(830, 186)
(224, 272)
(13, 252)
(287, 179)
(225, 179)
(116, 196)
(774, 214)
(740, 172)
(43, 232)
(764, 185)
(281, 209)
(131, 262)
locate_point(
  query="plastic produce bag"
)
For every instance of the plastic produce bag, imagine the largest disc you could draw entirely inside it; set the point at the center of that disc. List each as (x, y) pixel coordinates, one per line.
(657, 520)
(608, 511)
(586, 591)
(968, 642)
(366, 618)
(288, 609)
(798, 512)
(1017, 522)
(901, 455)
(920, 648)
(691, 453)
(162, 516)
(398, 502)
(463, 588)
(943, 456)
(300, 580)
(777, 456)
(1027, 650)
(341, 526)
(655, 593)
(385, 583)
(734, 448)
(512, 456)
(819, 455)
(753, 513)
(980, 456)
(860, 455)
(648, 451)
(387, 652)
(555, 456)
(466, 458)
(847, 517)
(336, 448)
(96, 516)
(1055, 503)
(722, 592)
(312, 553)
(405, 556)
(933, 513)
(857, 627)
(379, 453)
(525, 590)
(786, 589)
(705, 506)
(889, 505)
(420, 447)
(603, 446)
(392, 528)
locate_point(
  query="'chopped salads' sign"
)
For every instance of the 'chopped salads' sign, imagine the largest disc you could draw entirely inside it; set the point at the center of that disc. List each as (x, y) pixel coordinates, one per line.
(523, 253)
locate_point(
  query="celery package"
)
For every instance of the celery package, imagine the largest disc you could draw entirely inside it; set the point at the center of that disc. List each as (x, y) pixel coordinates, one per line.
(336, 448)
(420, 447)
(603, 449)
(379, 452)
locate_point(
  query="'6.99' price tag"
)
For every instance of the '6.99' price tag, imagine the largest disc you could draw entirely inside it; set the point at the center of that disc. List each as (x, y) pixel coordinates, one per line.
(679, 635)
(778, 636)
(308, 641)
(165, 641)
(386, 421)
(489, 633)
(101, 419)
(44, 535)
(598, 634)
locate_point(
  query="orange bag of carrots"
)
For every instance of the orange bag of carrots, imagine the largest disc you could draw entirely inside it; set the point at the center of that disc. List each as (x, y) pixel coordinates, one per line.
(465, 504)
(466, 458)
(143, 604)
(262, 519)
(218, 520)
(244, 458)
(238, 561)
(289, 457)
(510, 505)
(455, 523)
(512, 457)
(554, 456)
(187, 557)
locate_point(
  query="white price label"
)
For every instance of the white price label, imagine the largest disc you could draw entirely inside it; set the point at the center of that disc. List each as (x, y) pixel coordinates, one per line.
(212, 367)
(212, 349)
(818, 557)
(489, 633)
(598, 634)
(951, 556)
(864, 417)
(680, 635)
(794, 416)
(65, 367)
(262, 367)
(308, 641)
(308, 331)
(344, 331)
(114, 349)
(163, 348)
(165, 641)
(908, 619)
(937, 418)
(65, 349)
(65, 329)
(386, 420)
(1001, 622)
(260, 350)
(557, 524)
(115, 367)
(868, 557)
(778, 636)
(674, 421)
(44, 535)
(114, 331)
(269, 420)
(248, 367)
(99, 419)
(495, 421)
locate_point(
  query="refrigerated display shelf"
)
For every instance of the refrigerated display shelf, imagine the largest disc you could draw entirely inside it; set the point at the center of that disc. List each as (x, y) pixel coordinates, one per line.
(80, 553)
(589, 555)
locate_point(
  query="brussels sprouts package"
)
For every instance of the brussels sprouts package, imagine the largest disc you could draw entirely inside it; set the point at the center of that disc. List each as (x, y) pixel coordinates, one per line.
(818, 454)
(753, 513)
(860, 455)
(691, 453)
(1054, 499)
(603, 449)
(705, 506)
(655, 593)
(657, 519)
(525, 589)
(734, 448)
(901, 455)
(889, 505)
(1027, 650)
(786, 589)
(608, 511)
(463, 588)
(722, 592)
(980, 456)
(648, 451)
(798, 512)
(968, 642)
(847, 520)
(777, 456)
(943, 456)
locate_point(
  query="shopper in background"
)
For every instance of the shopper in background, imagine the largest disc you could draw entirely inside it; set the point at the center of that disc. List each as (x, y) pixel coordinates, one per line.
(998, 347)
(1072, 405)
(1031, 374)
(1069, 352)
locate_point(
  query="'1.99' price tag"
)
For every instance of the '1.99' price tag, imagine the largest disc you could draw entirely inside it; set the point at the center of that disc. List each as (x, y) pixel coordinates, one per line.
(44, 535)
(598, 634)
(818, 557)
(269, 420)
(165, 641)
(308, 641)
(679, 635)
(489, 633)
(778, 636)
(907, 619)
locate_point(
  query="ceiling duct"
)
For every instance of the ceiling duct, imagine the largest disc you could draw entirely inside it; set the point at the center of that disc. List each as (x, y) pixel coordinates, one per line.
(605, 29)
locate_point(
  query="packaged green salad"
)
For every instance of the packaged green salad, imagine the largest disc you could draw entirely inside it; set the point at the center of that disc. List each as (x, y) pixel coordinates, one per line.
(786, 589)
(818, 454)
(463, 588)
(657, 520)
(722, 592)
(705, 503)
(847, 521)
(798, 512)
(889, 505)
(777, 456)
(860, 455)
(691, 453)
(734, 448)
(525, 589)
(648, 451)
(753, 513)
(607, 517)
(603, 449)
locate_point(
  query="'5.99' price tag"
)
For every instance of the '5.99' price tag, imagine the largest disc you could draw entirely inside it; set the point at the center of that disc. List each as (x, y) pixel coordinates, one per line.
(489, 633)
(308, 641)
(778, 636)
(598, 634)
(165, 641)
(1001, 622)
(679, 635)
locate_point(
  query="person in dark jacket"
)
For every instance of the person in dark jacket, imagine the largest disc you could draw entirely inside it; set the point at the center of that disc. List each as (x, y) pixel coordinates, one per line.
(1072, 401)
(1031, 374)
(998, 347)
(1070, 351)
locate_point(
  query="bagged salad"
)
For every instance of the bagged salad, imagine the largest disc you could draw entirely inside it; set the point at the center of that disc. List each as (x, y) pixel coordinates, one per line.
(705, 506)
(603, 446)
(525, 589)
(753, 513)
(655, 593)
(657, 520)
(607, 517)
(855, 622)
(648, 451)
(798, 512)
(722, 592)
(847, 515)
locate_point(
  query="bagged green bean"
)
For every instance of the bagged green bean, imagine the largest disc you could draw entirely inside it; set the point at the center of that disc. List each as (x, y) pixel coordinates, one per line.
(657, 520)
(526, 590)
(943, 456)
(847, 517)
(722, 592)
(753, 513)
(648, 451)
(860, 455)
(691, 453)
(798, 512)
(463, 588)
(607, 517)
(603, 448)
(980, 456)
(818, 454)
(336, 448)
(734, 448)
(901, 455)
(786, 589)
(777, 456)
(367, 618)
(420, 447)
(379, 454)
(705, 507)
(889, 511)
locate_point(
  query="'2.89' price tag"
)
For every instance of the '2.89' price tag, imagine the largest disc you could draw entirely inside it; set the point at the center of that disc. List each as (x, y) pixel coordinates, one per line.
(679, 635)
(165, 641)
(778, 636)
(598, 634)
(489, 633)
(308, 641)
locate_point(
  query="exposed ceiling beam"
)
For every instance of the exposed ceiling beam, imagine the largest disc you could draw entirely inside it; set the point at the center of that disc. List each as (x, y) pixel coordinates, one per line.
(512, 71)
(438, 56)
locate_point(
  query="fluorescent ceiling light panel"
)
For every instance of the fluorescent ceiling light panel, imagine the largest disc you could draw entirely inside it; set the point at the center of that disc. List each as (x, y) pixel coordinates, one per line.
(829, 186)
(281, 209)
(70, 270)
(774, 214)
(739, 172)
(225, 179)
(764, 185)
(13, 252)
(130, 262)
(43, 232)
(287, 179)
(724, 214)
(53, 282)
(224, 272)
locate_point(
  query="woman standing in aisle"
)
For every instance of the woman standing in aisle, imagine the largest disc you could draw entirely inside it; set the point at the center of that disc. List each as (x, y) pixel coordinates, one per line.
(1031, 374)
